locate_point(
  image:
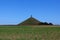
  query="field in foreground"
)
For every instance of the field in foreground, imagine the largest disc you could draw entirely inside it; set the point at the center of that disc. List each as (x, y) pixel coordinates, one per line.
(29, 33)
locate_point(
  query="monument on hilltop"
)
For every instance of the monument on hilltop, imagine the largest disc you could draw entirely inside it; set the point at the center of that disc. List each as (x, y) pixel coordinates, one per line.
(33, 21)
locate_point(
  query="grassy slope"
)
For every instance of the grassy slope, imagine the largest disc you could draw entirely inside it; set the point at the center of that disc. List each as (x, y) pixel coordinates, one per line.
(29, 33)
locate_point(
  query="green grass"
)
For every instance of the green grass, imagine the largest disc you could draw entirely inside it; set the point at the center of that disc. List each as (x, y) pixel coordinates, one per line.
(29, 33)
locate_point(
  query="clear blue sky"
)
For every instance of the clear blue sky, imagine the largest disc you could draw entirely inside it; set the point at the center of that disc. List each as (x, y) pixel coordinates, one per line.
(16, 11)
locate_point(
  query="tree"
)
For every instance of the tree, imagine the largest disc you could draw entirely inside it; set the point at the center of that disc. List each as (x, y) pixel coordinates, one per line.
(50, 24)
(45, 23)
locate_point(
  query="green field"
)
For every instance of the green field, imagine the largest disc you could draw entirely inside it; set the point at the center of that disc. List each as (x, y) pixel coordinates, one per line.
(29, 32)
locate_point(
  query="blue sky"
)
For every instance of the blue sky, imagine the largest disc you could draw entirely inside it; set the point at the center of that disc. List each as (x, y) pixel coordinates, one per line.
(16, 11)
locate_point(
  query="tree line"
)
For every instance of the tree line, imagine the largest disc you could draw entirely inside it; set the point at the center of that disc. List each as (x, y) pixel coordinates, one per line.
(45, 23)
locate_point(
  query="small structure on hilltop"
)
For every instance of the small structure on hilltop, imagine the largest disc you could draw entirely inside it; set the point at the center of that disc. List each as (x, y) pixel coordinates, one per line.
(33, 21)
